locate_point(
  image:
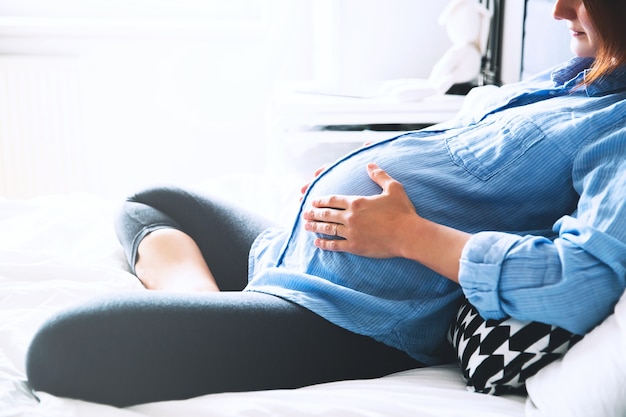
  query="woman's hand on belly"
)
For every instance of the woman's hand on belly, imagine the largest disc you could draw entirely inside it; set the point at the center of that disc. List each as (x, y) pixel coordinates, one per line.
(385, 225)
(367, 225)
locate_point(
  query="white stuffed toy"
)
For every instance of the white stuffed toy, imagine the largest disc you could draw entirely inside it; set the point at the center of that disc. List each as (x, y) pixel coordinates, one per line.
(467, 23)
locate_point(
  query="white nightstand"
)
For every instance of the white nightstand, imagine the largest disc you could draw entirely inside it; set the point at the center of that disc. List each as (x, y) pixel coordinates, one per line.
(306, 131)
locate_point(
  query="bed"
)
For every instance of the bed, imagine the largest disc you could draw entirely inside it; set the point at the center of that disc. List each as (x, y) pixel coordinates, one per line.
(58, 250)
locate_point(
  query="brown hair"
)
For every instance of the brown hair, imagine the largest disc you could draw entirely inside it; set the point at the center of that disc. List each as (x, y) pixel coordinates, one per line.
(608, 20)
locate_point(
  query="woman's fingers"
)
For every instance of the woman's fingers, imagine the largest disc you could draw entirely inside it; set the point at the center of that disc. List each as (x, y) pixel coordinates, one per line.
(363, 225)
(331, 202)
(327, 228)
(380, 177)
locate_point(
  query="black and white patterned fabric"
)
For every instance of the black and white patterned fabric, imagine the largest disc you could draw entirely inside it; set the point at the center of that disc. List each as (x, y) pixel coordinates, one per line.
(497, 356)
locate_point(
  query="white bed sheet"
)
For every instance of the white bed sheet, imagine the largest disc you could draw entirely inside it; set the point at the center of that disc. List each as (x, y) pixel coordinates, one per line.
(58, 250)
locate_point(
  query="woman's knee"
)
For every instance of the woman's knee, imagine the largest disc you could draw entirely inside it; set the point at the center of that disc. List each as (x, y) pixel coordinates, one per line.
(52, 358)
(136, 219)
(81, 353)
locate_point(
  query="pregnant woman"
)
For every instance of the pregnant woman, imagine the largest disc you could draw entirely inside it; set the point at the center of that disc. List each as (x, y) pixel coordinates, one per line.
(516, 205)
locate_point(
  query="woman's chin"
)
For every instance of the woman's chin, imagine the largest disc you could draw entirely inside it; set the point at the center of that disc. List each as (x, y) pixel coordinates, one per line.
(582, 49)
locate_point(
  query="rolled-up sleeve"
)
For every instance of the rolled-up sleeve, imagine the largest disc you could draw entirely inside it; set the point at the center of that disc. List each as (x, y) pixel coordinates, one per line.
(481, 268)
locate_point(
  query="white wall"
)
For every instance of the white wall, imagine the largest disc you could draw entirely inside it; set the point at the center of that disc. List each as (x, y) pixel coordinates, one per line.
(165, 102)
(539, 54)
(380, 39)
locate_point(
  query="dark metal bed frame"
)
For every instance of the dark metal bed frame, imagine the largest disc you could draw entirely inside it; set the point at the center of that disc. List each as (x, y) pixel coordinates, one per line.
(490, 73)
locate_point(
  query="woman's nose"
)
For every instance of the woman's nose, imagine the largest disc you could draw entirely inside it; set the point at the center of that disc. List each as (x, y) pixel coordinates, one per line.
(565, 9)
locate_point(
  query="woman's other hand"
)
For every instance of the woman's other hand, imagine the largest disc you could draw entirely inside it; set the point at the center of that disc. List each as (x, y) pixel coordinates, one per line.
(315, 175)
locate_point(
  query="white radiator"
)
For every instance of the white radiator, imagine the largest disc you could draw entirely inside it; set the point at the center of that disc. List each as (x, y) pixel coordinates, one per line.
(41, 134)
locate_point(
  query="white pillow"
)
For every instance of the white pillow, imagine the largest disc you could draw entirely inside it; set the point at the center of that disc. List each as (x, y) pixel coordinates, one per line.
(590, 380)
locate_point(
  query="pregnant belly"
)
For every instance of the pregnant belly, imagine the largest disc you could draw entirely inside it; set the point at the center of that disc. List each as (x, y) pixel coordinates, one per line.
(387, 278)
(421, 165)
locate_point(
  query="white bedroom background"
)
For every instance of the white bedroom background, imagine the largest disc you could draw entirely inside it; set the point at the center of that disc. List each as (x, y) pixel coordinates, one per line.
(109, 96)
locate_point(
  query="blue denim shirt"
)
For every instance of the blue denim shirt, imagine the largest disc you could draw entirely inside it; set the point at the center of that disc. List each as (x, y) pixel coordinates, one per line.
(537, 172)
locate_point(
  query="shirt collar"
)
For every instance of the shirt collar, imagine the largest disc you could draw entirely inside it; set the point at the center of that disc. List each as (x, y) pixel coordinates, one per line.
(573, 72)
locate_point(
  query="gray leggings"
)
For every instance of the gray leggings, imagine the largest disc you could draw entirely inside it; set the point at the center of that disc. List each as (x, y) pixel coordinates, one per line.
(133, 348)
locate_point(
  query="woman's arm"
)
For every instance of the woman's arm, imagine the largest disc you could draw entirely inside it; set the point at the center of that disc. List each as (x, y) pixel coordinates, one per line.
(385, 226)
(572, 281)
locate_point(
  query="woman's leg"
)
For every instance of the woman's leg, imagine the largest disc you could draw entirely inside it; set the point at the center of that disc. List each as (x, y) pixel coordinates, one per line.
(155, 346)
(180, 240)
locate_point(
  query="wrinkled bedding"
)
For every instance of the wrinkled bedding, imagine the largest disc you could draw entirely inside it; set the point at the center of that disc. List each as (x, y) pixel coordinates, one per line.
(58, 250)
